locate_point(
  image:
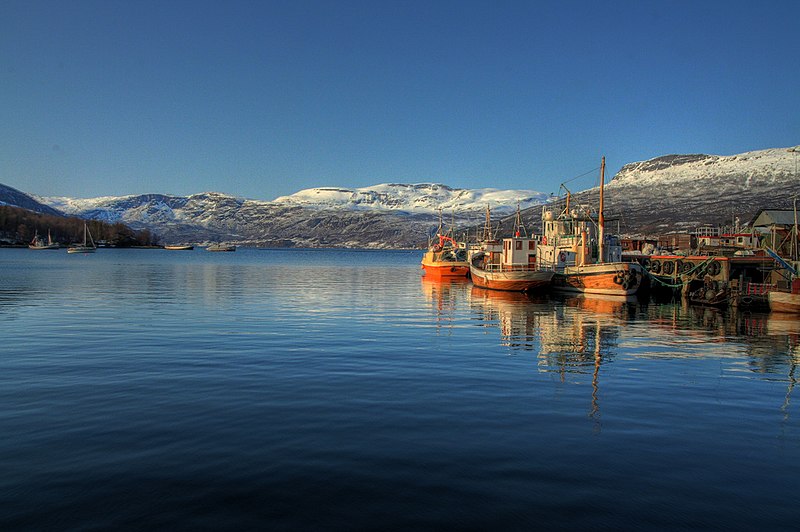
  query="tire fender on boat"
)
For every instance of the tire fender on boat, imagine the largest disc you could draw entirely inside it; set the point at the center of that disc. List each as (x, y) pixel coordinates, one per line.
(655, 266)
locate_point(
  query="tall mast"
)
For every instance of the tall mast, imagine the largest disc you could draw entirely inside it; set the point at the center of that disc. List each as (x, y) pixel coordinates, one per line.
(600, 219)
(487, 226)
(794, 240)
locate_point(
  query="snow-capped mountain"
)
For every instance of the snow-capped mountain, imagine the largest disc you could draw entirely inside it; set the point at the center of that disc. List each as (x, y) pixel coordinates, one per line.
(668, 193)
(420, 198)
(389, 215)
(678, 193)
(681, 192)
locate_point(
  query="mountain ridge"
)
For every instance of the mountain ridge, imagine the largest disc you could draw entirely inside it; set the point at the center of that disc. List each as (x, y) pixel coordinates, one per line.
(663, 194)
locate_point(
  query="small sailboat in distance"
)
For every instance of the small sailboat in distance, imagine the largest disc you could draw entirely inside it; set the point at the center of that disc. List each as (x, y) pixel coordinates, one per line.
(39, 242)
(88, 245)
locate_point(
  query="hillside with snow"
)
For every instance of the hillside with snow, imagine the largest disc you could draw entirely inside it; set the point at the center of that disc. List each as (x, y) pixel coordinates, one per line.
(381, 216)
(664, 194)
(422, 198)
(681, 192)
(678, 193)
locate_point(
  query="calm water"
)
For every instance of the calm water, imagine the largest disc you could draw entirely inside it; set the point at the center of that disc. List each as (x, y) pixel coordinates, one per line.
(338, 390)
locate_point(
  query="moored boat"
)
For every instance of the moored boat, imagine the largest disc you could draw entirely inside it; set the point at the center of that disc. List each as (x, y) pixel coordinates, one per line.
(88, 245)
(786, 301)
(446, 258)
(508, 277)
(585, 258)
(512, 267)
(179, 247)
(39, 243)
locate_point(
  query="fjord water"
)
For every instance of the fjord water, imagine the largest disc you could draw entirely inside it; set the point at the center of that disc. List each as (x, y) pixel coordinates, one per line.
(297, 389)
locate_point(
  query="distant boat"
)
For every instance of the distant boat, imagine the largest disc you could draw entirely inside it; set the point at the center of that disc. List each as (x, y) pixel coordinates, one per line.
(40, 243)
(221, 247)
(88, 245)
(179, 248)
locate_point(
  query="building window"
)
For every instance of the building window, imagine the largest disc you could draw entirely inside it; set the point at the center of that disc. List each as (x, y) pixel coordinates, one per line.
(519, 244)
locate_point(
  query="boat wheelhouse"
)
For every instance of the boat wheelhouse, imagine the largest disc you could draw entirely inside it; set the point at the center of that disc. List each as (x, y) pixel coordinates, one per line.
(585, 258)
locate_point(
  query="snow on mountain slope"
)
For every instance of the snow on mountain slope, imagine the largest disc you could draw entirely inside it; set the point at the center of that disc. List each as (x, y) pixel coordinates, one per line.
(390, 215)
(777, 164)
(668, 193)
(682, 192)
(419, 198)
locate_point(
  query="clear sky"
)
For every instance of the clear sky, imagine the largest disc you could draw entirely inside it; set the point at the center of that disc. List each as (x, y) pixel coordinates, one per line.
(264, 98)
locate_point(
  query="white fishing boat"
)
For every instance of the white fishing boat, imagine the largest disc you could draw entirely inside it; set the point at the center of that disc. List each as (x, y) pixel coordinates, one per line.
(511, 265)
(586, 258)
(88, 245)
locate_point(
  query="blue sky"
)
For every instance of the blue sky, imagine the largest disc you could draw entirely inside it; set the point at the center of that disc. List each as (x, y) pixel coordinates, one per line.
(265, 98)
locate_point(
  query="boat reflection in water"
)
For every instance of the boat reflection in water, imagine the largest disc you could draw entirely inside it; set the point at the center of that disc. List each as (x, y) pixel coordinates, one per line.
(575, 338)
(516, 313)
(444, 296)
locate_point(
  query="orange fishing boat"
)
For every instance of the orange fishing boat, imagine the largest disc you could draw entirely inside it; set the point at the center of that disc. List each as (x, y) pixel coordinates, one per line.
(584, 257)
(445, 259)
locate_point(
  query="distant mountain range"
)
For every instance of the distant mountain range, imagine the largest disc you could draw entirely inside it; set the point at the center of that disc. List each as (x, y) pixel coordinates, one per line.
(670, 193)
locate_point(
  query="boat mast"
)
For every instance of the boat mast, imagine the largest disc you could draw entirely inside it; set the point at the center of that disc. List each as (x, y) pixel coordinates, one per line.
(600, 218)
(519, 228)
(487, 226)
(794, 240)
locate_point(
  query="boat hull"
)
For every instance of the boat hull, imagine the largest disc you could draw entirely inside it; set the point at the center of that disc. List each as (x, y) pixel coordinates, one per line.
(80, 249)
(511, 281)
(784, 302)
(435, 268)
(445, 270)
(613, 278)
(179, 248)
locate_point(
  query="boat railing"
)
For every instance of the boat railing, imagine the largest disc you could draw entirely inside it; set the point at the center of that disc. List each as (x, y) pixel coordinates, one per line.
(513, 267)
(758, 289)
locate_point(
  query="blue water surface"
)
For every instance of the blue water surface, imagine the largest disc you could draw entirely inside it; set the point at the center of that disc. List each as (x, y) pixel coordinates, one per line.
(339, 390)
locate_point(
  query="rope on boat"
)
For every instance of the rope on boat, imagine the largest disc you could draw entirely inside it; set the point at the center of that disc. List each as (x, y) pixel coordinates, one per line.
(699, 266)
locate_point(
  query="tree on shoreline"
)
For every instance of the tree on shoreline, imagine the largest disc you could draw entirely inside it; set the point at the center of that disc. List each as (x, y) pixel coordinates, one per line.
(18, 226)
